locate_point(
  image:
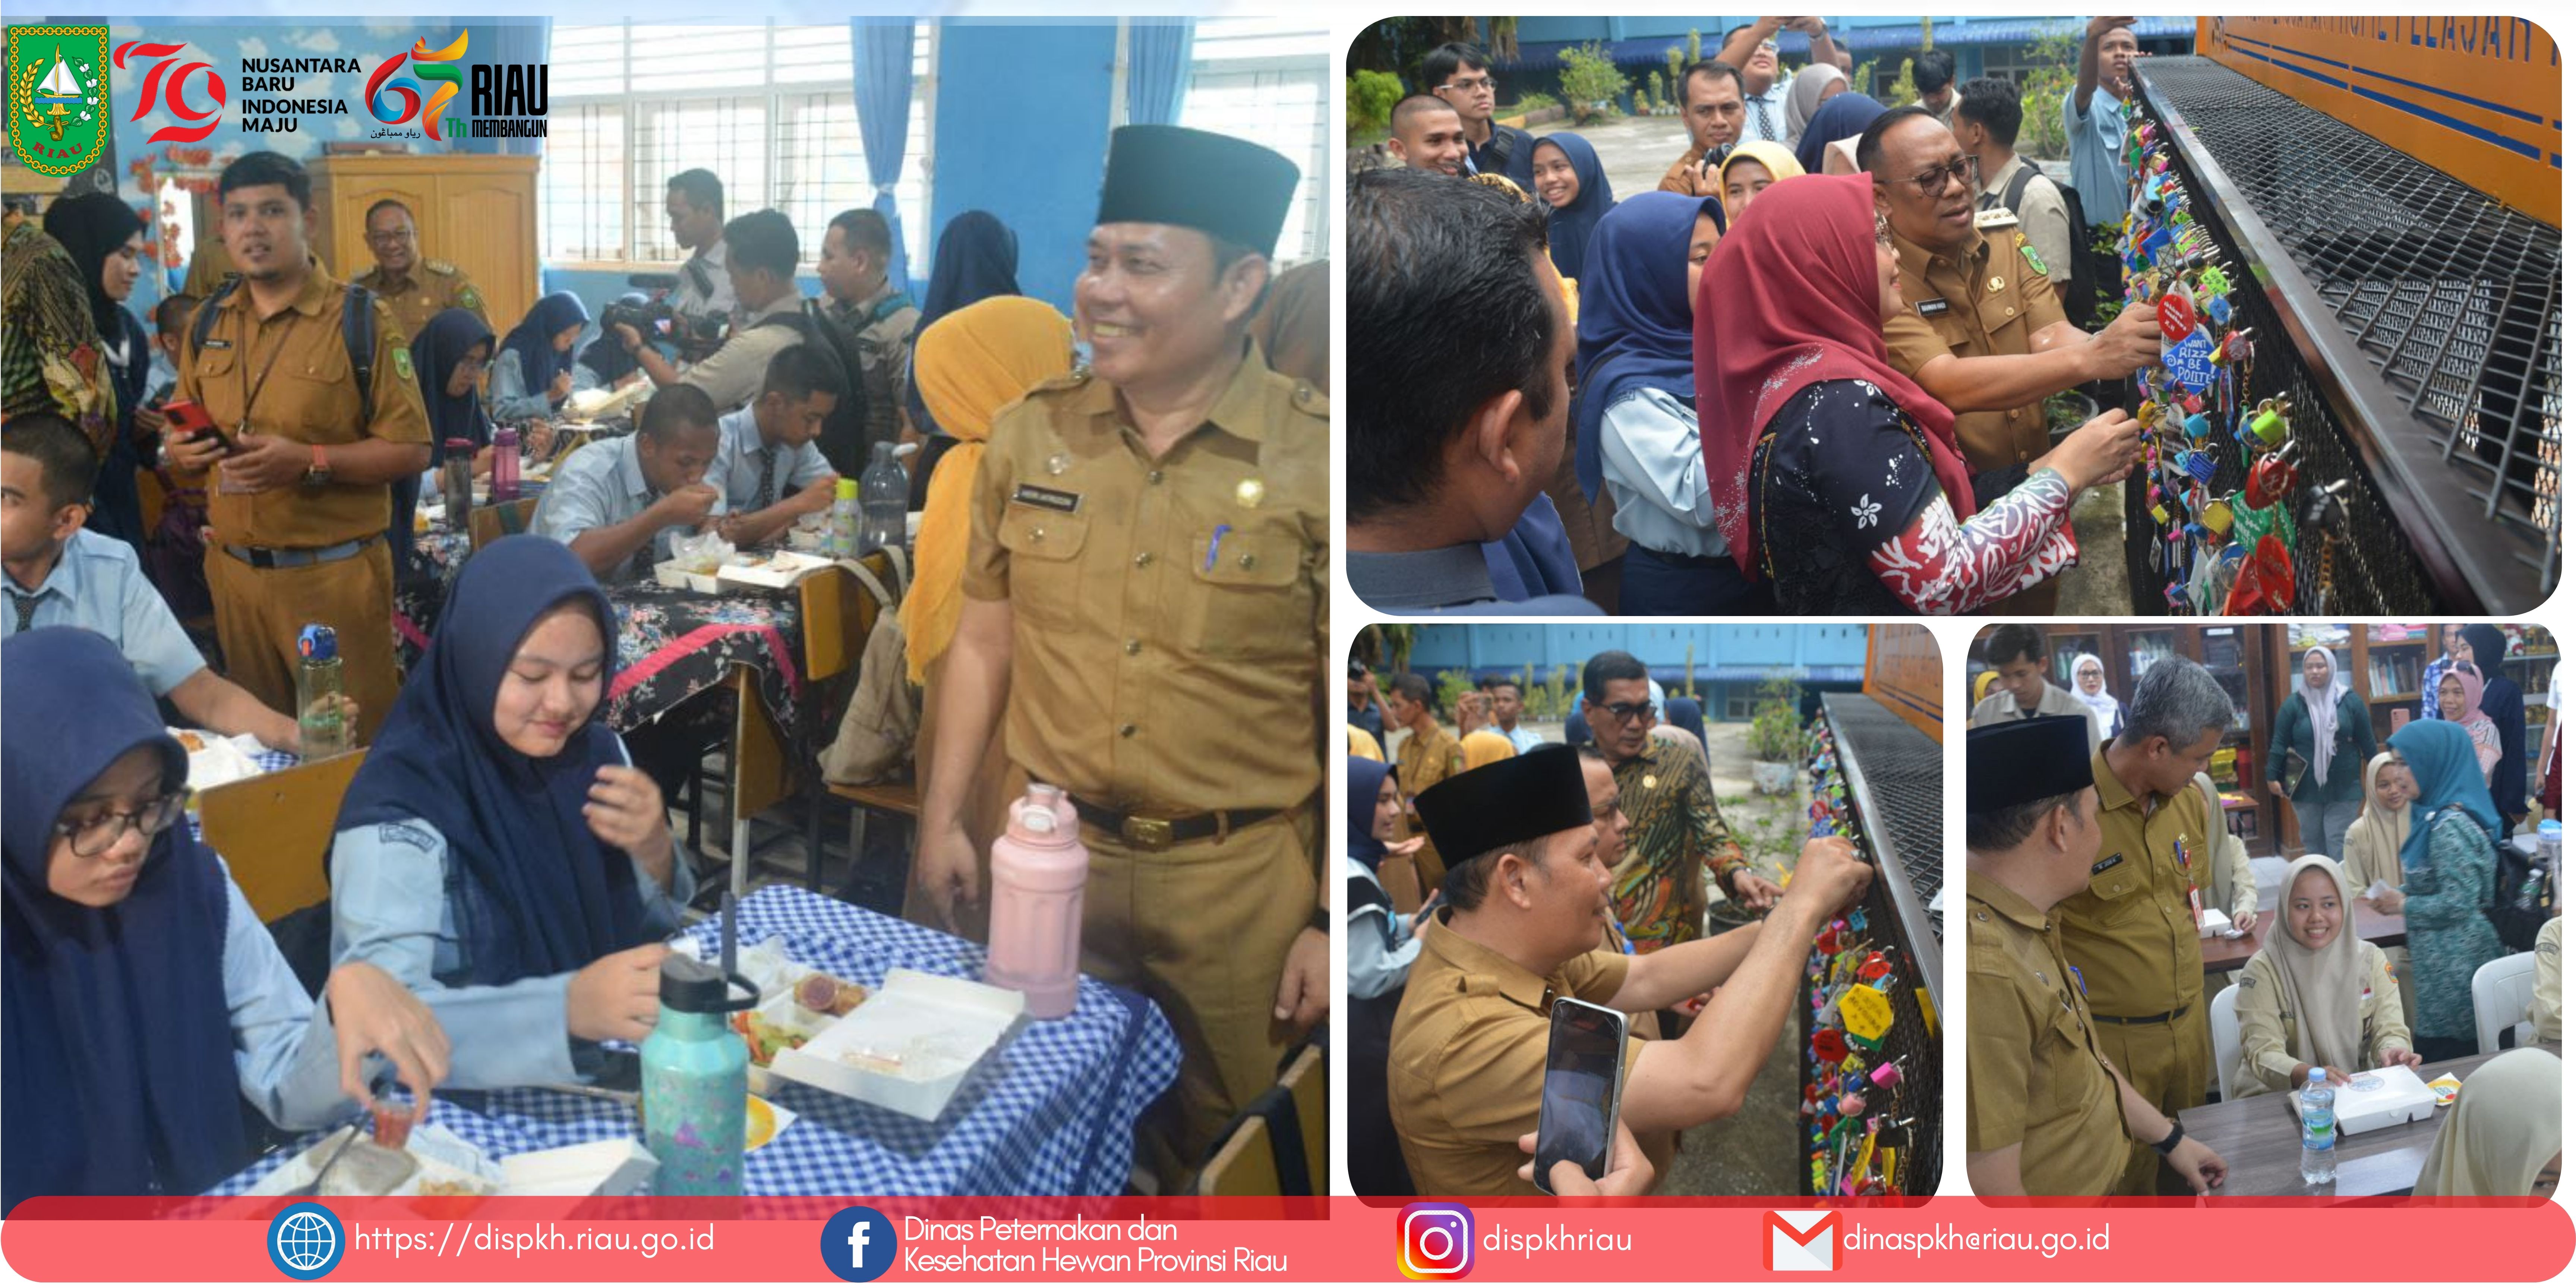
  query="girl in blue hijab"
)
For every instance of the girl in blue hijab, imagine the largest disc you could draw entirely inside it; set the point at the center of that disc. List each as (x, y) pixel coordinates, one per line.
(1566, 175)
(1381, 941)
(452, 349)
(498, 852)
(1636, 425)
(2449, 860)
(144, 1000)
(1842, 116)
(532, 374)
(604, 363)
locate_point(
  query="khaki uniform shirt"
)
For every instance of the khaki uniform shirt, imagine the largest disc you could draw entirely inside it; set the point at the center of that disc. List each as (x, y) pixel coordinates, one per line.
(2036, 1074)
(1468, 1056)
(2272, 1047)
(1677, 178)
(306, 393)
(2547, 1010)
(1168, 615)
(2041, 216)
(885, 354)
(1986, 303)
(1425, 760)
(2132, 932)
(432, 287)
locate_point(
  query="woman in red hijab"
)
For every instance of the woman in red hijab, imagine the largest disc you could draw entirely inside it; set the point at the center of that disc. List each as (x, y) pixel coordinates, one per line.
(1832, 474)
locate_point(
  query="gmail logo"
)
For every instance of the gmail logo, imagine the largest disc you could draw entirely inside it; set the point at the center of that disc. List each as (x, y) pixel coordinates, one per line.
(1802, 1241)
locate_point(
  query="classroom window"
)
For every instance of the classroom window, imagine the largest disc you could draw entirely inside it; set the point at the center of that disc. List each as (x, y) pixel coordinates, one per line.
(768, 108)
(1265, 80)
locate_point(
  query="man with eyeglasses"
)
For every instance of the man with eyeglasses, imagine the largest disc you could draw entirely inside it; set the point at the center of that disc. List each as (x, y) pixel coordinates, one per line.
(415, 289)
(1674, 830)
(1463, 77)
(1755, 48)
(1982, 330)
(61, 574)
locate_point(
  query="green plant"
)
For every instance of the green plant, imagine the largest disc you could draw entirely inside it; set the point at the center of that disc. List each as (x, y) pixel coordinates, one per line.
(1901, 91)
(2043, 92)
(1654, 93)
(2107, 305)
(1559, 700)
(1370, 98)
(1861, 73)
(1593, 84)
(1777, 735)
(1690, 667)
(1534, 101)
(1694, 45)
(1673, 70)
(1453, 686)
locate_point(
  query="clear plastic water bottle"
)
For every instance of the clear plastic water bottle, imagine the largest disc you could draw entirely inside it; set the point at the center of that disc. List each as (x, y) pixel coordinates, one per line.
(456, 483)
(885, 492)
(843, 539)
(505, 465)
(2316, 1130)
(318, 721)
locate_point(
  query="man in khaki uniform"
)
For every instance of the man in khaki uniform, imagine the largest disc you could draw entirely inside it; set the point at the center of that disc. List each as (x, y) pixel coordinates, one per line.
(857, 249)
(1148, 581)
(1982, 330)
(2047, 1112)
(1713, 112)
(2134, 932)
(299, 507)
(1521, 928)
(1429, 754)
(416, 289)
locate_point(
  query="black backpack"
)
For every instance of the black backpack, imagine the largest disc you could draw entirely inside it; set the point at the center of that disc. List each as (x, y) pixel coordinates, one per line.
(2080, 286)
(845, 441)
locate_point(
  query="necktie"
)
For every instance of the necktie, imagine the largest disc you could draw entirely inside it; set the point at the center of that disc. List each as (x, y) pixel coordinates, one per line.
(26, 608)
(767, 492)
(1762, 117)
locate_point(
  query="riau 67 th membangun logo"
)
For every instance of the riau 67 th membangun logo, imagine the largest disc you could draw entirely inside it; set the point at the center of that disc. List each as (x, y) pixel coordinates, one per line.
(58, 99)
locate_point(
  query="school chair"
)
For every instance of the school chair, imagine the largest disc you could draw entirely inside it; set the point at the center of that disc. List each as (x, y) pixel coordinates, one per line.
(1276, 1145)
(2224, 1036)
(274, 831)
(2500, 996)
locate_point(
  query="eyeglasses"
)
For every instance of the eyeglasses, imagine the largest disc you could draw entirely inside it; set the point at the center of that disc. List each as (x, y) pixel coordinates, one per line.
(394, 238)
(99, 835)
(1472, 85)
(1624, 713)
(1769, 46)
(1935, 181)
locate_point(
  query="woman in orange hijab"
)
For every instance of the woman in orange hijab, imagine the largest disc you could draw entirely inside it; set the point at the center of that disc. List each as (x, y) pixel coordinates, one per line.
(968, 366)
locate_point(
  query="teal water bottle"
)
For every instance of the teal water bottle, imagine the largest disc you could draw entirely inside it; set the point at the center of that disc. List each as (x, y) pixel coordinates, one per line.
(317, 694)
(697, 1078)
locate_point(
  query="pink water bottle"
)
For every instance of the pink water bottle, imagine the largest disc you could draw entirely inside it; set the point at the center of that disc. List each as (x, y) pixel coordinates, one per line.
(505, 465)
(1039, 868)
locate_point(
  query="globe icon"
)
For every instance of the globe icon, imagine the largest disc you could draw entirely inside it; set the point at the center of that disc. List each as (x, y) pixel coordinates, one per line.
(305, 1241)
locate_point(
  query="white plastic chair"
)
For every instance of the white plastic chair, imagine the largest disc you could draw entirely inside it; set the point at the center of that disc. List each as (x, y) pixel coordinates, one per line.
(2499, 996)
(2223, 1035)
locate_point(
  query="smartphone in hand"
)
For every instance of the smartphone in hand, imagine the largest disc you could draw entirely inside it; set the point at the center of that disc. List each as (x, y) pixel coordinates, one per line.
(189, 420)
(1578, 1105)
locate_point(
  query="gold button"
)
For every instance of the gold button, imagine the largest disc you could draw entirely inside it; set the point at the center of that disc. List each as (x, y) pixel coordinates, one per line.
(1245, 562)
(2014, 414)
(1135, 647)
(1154, 477)
(1144, 557)
(1127, 731)
(2008, 310)
(1037, 534)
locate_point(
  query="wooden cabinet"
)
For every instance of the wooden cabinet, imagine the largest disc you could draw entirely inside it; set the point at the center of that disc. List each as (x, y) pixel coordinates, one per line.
(476, 212)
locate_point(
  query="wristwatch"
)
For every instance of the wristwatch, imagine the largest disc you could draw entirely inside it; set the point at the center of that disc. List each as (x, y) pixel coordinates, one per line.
(1320, 919)
(318, 474)
(2172, 1139)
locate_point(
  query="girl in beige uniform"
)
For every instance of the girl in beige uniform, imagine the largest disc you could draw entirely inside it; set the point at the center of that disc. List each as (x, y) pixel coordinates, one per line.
(2370, 849)
(2316, 994)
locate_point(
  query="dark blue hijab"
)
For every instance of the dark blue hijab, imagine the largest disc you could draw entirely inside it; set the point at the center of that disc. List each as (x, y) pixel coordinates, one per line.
(1842, 116)
(1570, 230)
(533, 339)
(544, 895)
(978, 258)
(604, 355)
(1635, 328)
(1366, 777)
(442, 343)
(115, 1031)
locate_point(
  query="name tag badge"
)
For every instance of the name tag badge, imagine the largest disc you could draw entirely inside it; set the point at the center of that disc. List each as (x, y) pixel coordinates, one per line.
(1047, 498)
(2108, 864)
(213, 343)
(1998, 217)
(1932, 308)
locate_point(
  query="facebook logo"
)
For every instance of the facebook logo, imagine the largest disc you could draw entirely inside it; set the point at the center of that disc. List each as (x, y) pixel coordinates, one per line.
(859, 1244)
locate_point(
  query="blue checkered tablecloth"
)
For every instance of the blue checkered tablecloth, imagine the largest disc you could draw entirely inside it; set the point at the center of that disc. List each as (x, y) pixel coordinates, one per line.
(1051, 1111)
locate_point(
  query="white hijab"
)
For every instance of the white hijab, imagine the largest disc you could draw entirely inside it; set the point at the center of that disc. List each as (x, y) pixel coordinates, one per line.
(2323, 705)
(2106, 709)
(2500, 1132)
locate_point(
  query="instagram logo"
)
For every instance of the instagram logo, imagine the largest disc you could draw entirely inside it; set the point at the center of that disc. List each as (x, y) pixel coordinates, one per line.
(1436, 1241)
